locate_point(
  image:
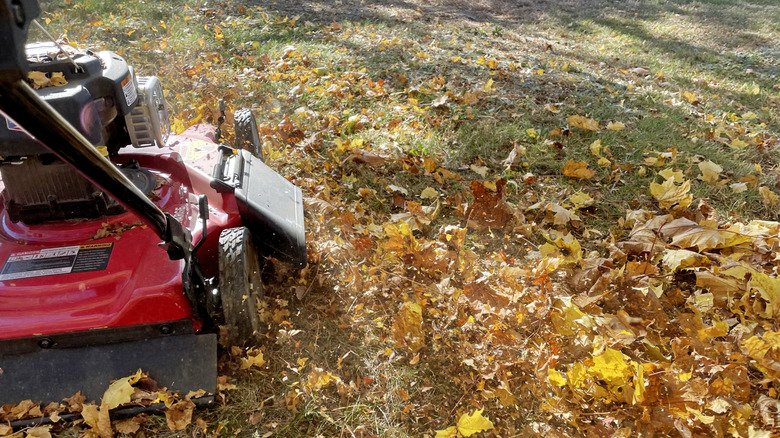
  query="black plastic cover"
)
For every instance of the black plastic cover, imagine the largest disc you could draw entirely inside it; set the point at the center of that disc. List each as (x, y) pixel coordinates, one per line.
(99, 88)
(272, 208)
(179, 362)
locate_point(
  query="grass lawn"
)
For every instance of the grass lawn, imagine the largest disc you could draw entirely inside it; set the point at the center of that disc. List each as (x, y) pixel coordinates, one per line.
(477, 177)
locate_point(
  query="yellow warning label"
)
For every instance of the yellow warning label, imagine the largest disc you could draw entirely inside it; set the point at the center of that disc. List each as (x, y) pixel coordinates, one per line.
(95, 245)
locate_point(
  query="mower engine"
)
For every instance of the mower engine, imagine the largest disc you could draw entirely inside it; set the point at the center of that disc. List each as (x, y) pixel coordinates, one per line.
(99, 95)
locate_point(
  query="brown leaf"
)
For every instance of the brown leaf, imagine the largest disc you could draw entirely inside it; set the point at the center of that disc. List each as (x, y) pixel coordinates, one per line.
(38, 432)
(360, 156)
(129, 426)
(98, 420)
(686, 233)
(488, 210)
(179, 415)
(723, 288)
(75, 402)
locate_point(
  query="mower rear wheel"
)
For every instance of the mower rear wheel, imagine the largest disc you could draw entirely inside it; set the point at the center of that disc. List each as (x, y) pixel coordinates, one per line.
(240, 285)
(247, 136)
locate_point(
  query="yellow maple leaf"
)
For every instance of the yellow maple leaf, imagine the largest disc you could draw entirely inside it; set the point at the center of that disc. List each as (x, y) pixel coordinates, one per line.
(407, 327)
(615, 126)
(710, 172)
(577, 374)
(58, 79)
(769, 290)
(768, 197)
(595, 148)
(577, 169)
(470, 424)
(450, 432)
(611, 367)
(38, 432)
(429, 193)
(639, 383)
(567, 318)
(555, 377)
(765, 350)
(254, 357)
(581, 200)
(120, 391)
(671, 196)
(218, 34)
(583, 123)
(689, 96)
(674, 175)
(177, 126)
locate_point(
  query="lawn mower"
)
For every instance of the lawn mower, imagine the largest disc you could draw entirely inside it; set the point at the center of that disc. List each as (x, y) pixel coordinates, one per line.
(123, 246)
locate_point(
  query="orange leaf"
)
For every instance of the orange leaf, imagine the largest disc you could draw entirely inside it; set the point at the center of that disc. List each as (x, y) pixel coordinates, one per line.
(577, 169)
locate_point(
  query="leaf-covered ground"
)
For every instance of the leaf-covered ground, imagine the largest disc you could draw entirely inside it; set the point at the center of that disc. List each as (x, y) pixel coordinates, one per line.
(524, 218)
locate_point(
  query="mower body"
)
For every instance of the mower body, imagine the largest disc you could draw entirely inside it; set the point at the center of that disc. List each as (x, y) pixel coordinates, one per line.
(87, 294)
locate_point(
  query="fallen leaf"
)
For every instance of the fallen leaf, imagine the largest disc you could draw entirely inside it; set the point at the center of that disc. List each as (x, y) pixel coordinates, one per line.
(581, 200)
(710, 172)
(429, 193)
(254, 358)
(615, 126)
(671, 196)
(595, 148)
(555, 377)
(118, 393)
(39, 79)
(583, 123)
(407, 327)
(450, 432)
(768, 197)
(38, 432)
(611, 367)
(577, 169)
(677, 259)
(179, 415)
(488, 210)
(686, 233)
(128, 426)
(98, 420)
(470, 424)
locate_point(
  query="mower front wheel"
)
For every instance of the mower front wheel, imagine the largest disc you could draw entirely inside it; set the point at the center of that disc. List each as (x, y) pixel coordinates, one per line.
(247, 136)
(240, 285)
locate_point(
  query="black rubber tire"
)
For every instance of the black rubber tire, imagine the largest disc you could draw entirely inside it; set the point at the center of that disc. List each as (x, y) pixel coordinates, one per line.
(240, 285)
(247, 136)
